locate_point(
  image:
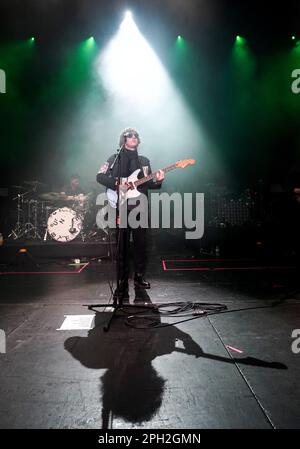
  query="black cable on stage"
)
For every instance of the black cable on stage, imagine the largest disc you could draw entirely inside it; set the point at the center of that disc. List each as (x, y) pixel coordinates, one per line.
(151, 319)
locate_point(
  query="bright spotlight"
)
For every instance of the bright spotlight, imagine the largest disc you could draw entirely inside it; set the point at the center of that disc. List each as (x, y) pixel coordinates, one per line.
(139, 91)
(128, 15)
(131, 69)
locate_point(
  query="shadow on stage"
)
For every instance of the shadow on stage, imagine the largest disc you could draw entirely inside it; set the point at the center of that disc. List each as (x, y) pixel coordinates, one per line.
(131, 388)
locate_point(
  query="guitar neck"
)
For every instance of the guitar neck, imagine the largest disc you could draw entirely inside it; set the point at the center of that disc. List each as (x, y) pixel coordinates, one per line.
(154, 174)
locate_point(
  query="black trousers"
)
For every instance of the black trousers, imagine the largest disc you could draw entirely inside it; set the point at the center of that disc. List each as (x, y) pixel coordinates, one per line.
(123, 251)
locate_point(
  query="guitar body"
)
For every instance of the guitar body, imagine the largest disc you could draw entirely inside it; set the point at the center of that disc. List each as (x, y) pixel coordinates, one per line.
(112, 195)
(132, 182)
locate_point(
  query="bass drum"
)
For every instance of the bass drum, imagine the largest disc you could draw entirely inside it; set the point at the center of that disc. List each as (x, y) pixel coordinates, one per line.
(64, 224)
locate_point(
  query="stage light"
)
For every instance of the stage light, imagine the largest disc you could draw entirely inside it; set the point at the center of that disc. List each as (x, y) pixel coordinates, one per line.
(242, 56)
(293, 38)
(90, 43)
(130, 68)
(32, 39)
(240, 40)
(180, 45)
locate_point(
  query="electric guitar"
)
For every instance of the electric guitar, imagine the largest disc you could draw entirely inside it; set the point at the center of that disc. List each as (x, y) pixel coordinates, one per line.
(128, 188)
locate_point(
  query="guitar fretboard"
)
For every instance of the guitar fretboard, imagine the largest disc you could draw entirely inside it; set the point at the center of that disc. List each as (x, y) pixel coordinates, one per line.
(153, 175)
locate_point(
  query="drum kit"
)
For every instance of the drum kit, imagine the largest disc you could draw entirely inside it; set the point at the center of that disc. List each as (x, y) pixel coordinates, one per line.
(54, 215)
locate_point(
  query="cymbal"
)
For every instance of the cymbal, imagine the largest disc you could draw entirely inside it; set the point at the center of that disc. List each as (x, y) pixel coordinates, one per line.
(34, 183)
(53, 196)
(82, 197)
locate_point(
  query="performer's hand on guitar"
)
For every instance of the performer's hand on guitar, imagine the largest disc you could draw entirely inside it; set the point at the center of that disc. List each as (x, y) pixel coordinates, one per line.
(160, 176)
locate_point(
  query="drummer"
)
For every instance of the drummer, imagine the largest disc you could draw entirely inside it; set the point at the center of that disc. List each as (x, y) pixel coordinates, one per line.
(74, 187)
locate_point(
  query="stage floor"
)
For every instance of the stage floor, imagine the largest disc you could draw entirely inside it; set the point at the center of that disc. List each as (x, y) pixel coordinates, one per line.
(233, 369)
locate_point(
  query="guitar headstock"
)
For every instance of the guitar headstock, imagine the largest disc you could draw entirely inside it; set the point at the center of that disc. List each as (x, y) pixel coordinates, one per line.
(185, 163)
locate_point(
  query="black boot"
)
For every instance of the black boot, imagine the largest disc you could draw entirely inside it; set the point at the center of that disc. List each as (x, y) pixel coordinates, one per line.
(121, 294)
(140, 282)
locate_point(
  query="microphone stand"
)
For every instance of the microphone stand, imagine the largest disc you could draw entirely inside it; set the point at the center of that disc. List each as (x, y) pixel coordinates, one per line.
(117, 302)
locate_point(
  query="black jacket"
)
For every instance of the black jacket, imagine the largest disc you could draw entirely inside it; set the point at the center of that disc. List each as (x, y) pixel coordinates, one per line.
(109, 177)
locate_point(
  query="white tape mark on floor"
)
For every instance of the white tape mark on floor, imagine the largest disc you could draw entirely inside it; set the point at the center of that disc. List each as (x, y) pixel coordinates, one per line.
(77, 322)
